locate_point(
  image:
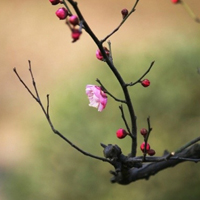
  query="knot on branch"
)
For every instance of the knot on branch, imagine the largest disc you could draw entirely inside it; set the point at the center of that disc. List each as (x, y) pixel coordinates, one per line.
(121, 163)
(111, 151)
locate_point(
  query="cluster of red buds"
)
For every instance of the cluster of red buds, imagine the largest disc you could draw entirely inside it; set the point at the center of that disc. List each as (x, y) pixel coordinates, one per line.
(145, 146)
(71, 20)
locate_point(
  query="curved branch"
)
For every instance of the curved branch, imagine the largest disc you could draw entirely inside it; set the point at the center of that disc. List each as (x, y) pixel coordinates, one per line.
(106, 91)
(116, 29)
(138, 81)
(46, 113)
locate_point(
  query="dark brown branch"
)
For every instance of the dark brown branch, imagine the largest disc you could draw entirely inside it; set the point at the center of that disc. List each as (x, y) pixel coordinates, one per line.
(46, 113)
(116, 73)
(187, 145)
(151, 169)
(146, 138)
(128, 175)
(124, 119)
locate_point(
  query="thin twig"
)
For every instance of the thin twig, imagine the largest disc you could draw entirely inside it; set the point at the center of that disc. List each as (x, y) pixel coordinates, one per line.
(68, 9)
(106, 91)
(15, 70)
(146, 138)
(33, 81)
(124, 119)
(190, 12)
(46, 113)
(47, 106)
(116, 29)
(110, 51)
(138, 81)
(187, 145)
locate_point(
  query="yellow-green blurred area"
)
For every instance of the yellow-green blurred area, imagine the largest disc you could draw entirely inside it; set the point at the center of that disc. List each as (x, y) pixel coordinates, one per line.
(35, 163)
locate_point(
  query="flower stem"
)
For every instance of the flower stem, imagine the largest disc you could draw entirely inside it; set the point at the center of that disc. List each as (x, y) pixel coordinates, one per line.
(190, 12)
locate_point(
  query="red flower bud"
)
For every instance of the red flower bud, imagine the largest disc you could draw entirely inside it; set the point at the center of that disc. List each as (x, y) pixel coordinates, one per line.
(99, 54)
(142, 147)
(151, 152)
(124, 12)
(175, 1)
(54, 2)
(121, 133)
(145, 83)
(76, 33)
(74, 20)
(62, 13)
(143, 131)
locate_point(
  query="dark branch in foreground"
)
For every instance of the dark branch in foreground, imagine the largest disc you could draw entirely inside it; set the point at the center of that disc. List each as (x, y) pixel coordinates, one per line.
(129, 169)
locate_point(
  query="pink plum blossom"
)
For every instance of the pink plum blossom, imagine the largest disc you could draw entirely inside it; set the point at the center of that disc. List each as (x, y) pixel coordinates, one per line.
(96, 96)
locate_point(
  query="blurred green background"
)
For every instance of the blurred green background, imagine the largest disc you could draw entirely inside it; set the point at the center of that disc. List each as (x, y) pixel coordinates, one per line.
(36, 164)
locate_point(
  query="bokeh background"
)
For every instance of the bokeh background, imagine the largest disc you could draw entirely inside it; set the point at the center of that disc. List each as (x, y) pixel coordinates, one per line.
(36, 164)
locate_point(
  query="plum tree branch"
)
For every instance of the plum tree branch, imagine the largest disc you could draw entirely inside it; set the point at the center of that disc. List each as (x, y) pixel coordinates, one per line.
(138, 81)
(118, 27)
(115, 72)
(46, 113)
(129, 169)
(124, 119)
(107, 92)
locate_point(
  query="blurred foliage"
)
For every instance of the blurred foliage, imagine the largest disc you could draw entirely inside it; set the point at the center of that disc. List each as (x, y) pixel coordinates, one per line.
(55, 171)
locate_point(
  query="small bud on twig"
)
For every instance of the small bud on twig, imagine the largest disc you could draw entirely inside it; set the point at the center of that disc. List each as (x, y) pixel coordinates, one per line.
(142, 147)
(124, 13)
(175, 1)
(145, 83)
(144, 131)
(151, 152)
(121, 133)
(74, 20)
(62, 13)
(54, 2)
